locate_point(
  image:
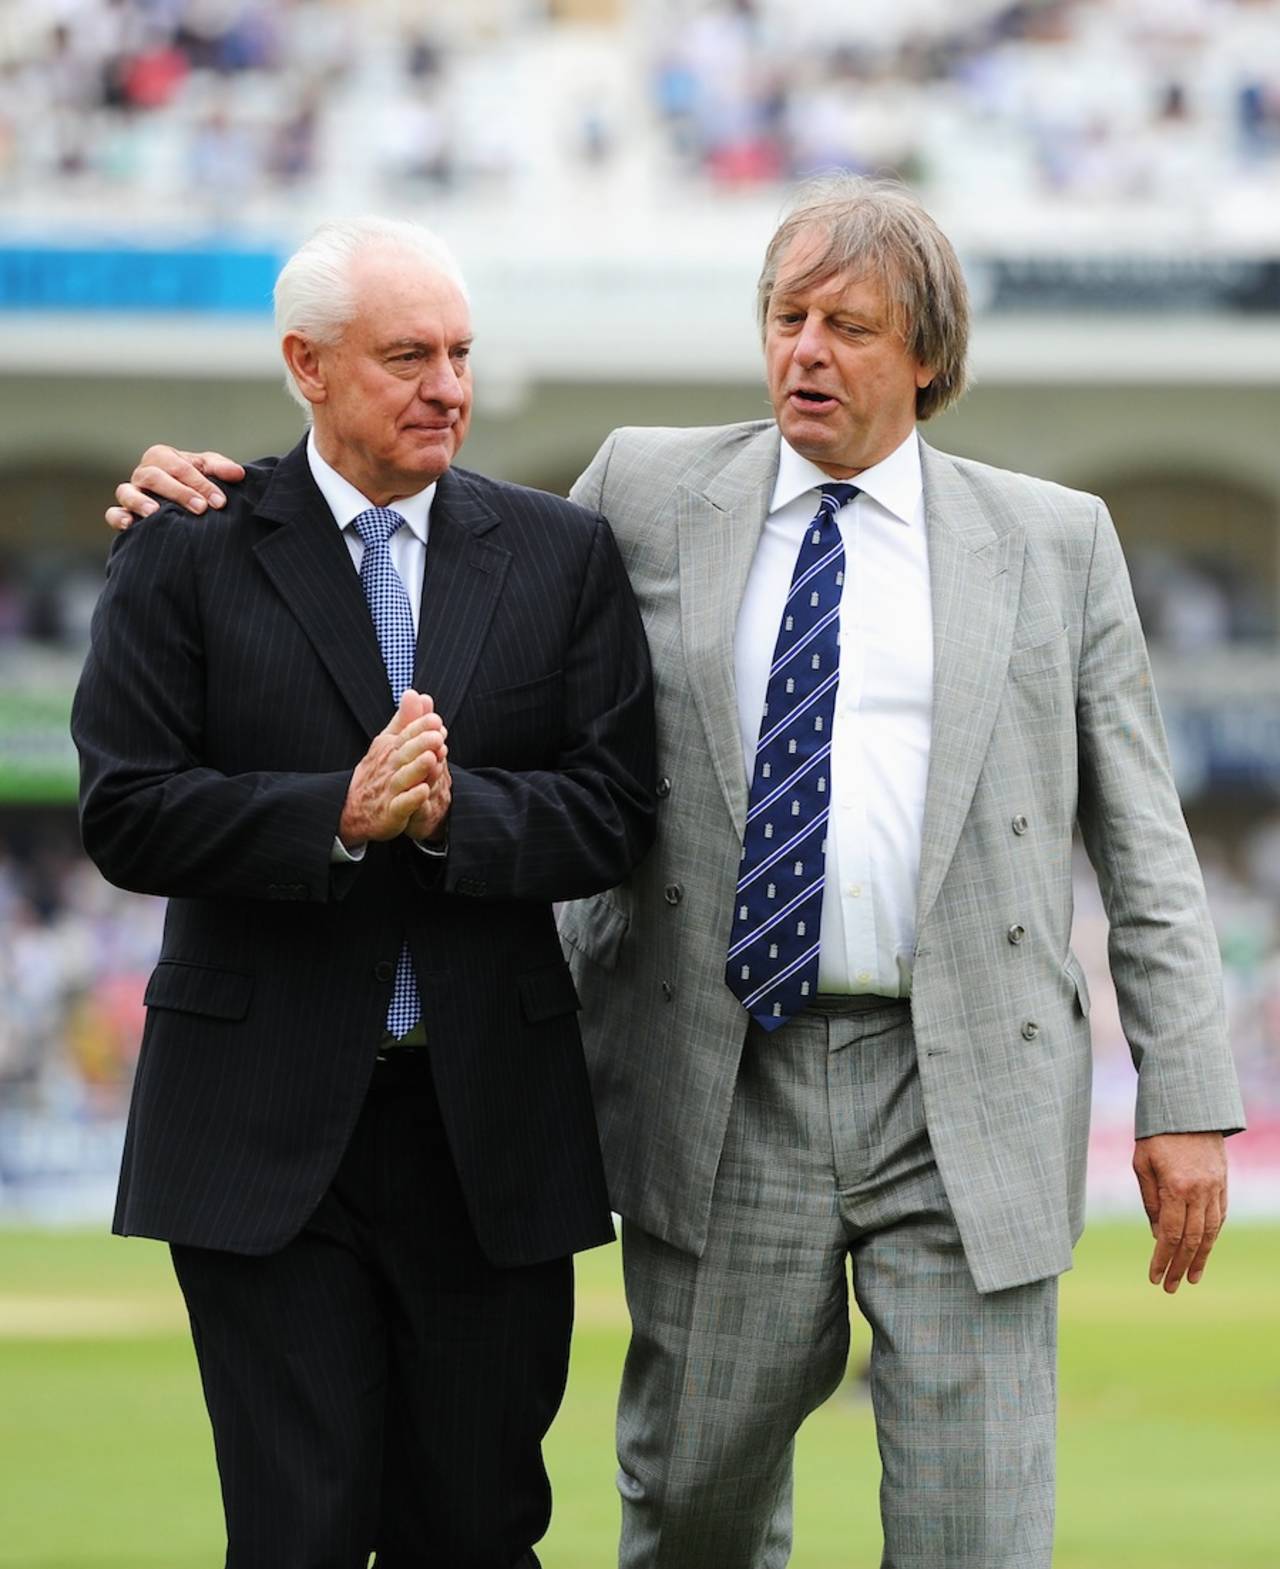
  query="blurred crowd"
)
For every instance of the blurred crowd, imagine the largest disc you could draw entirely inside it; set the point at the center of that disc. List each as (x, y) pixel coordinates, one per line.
(228, 106)
(1113, 99)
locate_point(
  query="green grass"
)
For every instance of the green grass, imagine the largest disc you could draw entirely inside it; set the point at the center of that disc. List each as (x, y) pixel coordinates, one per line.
(1169, 1440)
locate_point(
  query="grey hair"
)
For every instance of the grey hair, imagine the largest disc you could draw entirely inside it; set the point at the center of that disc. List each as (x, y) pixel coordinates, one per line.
(313, 293)
(878, 228)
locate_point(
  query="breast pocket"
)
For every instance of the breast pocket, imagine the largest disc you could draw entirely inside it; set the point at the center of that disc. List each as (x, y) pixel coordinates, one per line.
(1040, 660)
(517, 726)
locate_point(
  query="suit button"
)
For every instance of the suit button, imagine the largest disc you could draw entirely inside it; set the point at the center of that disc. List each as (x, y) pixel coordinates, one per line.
(673, 893)
(663, 788)
(1030, 1030)
(667, 992)
(1019, 824)
(384, 971)
(1017, 933)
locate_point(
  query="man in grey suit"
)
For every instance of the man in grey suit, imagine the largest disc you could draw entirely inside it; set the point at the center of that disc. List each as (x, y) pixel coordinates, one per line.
(833, 1019)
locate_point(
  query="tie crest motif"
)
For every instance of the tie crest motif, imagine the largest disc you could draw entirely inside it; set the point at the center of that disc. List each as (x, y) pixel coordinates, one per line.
(772, 966)
(393, 622)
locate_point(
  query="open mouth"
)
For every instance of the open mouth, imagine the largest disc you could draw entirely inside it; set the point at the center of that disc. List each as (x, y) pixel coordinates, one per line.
(813, 400)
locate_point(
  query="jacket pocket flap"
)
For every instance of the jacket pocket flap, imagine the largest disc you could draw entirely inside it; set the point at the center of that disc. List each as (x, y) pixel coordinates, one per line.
(596, 928)
(1049, 654)
(1075, 973)
(198, 988)
(548, 993)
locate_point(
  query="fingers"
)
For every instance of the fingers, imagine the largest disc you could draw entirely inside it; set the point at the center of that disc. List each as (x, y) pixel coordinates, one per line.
(414, 706)
(1168, 1232)
(1178, 1241)
(396, 777)
(219, 465)
(1212, 1226)
(429, 819)
(418, 761)
(1183, 1181)
(175, 476)
(1149, 1189)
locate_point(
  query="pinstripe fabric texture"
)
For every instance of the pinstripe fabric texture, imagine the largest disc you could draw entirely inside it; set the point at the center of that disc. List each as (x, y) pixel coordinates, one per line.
(233, 682)
(1044, 714)
(732, 1350)
(377, 1382)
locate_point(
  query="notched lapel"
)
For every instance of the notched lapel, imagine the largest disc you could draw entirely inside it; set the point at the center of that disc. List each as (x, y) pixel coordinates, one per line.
(307, 560)
(718, 532)
(975, 571)
(465, 574)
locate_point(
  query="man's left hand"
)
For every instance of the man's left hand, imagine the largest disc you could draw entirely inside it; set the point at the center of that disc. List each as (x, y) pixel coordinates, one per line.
(428, 822)
(1183, 1180)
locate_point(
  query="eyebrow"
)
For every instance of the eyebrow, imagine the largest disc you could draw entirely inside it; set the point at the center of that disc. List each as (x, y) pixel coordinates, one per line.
(421, 343)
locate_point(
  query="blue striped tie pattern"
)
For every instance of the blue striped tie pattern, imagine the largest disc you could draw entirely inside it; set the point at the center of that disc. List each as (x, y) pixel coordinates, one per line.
(772, 966)
(393, 622)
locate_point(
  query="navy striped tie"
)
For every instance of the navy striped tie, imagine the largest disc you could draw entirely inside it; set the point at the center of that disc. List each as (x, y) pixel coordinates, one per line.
(393, 622)
(773, 948)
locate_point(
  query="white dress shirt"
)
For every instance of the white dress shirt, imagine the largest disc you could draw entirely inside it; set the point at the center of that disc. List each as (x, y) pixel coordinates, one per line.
(408, 556)
(408, 545)
(880, 737)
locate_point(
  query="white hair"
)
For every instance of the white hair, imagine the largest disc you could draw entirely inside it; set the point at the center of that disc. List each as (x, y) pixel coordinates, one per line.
(313, 293)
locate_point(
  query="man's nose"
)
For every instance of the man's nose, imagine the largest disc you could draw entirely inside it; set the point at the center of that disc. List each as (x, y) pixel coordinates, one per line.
(811, 344)
(442, 384)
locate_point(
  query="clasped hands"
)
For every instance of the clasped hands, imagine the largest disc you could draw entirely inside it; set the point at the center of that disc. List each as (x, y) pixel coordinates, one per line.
(401, 785)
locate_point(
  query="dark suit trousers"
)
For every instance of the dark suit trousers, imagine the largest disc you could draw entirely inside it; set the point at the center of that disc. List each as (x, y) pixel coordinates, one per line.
(378, 1384)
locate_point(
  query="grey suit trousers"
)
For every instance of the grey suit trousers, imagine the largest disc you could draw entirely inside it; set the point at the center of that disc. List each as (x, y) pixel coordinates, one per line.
(827, 1158)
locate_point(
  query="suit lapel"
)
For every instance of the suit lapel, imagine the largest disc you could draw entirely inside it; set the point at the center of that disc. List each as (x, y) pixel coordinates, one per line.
(719, 529)
(465, 573)
(307, 560)
(975, 570)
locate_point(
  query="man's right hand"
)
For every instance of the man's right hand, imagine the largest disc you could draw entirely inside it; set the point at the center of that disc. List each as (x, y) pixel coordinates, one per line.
(177, 476)
(395, 777)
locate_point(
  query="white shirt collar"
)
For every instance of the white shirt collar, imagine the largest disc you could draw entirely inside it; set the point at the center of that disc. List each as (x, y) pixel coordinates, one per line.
(896, 482)
(346, 502)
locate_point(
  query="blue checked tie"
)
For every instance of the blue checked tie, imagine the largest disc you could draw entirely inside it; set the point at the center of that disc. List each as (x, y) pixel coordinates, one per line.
(773, 950)
(393, 622)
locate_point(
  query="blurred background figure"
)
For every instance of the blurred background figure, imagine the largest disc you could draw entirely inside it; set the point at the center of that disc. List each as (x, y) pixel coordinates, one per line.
(608, 171)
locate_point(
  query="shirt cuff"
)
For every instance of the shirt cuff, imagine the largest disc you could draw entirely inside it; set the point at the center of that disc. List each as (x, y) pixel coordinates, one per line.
(341, 856)
(436, 851)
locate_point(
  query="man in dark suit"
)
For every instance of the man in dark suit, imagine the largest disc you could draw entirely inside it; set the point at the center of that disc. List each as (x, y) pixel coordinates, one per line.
(361, 1115)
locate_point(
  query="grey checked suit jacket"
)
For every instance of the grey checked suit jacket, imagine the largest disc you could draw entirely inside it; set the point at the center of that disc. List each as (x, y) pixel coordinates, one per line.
(1044, 714)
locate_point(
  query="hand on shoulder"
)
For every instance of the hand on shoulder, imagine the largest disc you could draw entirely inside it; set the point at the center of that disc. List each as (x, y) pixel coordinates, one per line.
(173, 475)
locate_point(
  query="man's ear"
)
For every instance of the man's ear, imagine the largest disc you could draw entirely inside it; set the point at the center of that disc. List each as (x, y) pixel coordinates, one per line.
(303, 360)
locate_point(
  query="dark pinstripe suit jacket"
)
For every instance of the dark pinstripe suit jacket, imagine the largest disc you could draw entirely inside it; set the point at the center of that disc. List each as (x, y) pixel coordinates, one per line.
(234, 681)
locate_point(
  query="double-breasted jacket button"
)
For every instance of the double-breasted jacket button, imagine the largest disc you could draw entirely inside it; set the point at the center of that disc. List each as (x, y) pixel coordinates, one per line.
(673, 893)
(1030, 1030)
(1019, 824)
(1017, 933)
(384, 970)
(663, 788)
(668, 991)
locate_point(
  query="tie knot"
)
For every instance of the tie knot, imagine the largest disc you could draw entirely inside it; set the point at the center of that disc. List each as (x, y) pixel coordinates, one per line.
(834, 497)
(377, 525)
